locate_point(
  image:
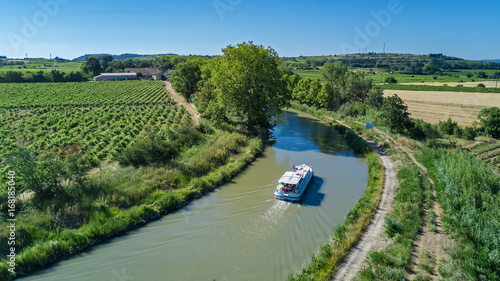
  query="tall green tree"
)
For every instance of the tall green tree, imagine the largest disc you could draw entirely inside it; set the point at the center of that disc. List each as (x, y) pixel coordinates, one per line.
(325, 96)
(335, 74)
(91, 66)
(490, 121)
(187, 75)
(250, 85)
(395, 113)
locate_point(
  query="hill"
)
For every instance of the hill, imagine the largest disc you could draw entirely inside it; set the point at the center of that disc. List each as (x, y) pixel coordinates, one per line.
(118, 57)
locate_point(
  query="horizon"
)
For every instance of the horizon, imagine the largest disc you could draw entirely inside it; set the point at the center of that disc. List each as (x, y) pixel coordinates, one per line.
(69, 29)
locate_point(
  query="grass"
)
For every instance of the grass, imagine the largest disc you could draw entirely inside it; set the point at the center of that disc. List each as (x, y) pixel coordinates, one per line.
(402, 226)
(314, 74)
(468, 191)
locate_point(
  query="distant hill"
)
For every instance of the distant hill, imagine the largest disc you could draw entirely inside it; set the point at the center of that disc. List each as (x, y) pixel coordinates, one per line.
(496, 60)
(118, 57)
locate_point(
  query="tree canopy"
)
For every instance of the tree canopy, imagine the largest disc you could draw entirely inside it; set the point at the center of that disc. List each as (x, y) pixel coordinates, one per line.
(249, 86)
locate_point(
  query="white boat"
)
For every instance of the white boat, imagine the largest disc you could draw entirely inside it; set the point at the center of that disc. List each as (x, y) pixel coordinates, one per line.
(293, 183)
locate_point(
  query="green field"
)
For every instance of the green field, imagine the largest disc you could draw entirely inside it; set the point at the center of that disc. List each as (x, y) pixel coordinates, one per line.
(15, 95)
(44, 65)
(99, 118)
(380, 76)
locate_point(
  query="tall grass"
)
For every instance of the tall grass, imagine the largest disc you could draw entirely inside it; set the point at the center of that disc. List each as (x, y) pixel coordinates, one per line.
(468, 191)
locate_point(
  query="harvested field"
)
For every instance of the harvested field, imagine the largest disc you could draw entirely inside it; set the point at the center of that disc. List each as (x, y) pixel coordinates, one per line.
(488, 84)
(435, 106)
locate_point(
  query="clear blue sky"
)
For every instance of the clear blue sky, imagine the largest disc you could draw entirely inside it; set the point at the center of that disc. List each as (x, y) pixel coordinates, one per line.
(70, 28)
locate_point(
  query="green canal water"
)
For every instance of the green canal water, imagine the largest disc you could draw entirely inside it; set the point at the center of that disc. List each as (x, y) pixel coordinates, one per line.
(239, 231)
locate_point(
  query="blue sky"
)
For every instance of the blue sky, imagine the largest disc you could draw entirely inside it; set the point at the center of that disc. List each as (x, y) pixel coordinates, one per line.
(70, 28)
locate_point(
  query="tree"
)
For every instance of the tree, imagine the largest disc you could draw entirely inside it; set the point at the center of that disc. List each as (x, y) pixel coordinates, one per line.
(187, 75)
(91, 66)
(250, 85)
(301, 90)
(395, 113)
(375, 98)
(482, 74)
(490, 121)
(334, 73)
(325, 96)
(313, 92)
(390, 80)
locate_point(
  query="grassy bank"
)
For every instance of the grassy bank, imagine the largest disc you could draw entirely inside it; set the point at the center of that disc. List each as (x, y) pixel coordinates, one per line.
(439, 88)
(346, 235)
(116, 199)
(468, 191)
(401, 227)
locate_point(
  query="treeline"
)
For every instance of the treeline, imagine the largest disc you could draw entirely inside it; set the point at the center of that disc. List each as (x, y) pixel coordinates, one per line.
(409, 64)
(12, 76)
(95, 65)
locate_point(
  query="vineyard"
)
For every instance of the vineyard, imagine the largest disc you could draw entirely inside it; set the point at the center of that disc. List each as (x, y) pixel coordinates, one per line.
(39, 117)
(488, 150)
(23, 95)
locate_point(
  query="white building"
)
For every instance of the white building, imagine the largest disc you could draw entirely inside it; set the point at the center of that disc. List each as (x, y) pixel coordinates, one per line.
(115, 77)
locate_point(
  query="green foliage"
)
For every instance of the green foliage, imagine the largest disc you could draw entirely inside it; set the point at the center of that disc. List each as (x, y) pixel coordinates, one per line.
(375, 98)
(154, 148)
(490, 121)
(390, 80)
(249, 86)
(468, 191)
(81, 94)
(402, 224)
(187, 75)
(395, 113)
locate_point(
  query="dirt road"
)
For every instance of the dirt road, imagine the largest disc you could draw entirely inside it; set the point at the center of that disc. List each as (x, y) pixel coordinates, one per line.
(179, 100)
(373, 234)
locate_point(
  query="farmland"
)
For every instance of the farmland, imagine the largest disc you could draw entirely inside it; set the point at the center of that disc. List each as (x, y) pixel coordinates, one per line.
(81, 94)
(433, 106)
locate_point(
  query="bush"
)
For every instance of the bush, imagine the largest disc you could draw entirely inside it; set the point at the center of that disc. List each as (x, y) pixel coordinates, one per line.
(151, 149)
(390, 80)
(481, 85)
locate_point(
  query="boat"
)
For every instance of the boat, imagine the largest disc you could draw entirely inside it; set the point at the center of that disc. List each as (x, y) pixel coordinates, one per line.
(293, 183)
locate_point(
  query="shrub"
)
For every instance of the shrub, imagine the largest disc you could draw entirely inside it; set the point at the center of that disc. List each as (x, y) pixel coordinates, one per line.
(481, 85)
(390, 80)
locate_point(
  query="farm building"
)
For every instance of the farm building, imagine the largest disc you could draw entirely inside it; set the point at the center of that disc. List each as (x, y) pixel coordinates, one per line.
(147, 73)
(115, 76)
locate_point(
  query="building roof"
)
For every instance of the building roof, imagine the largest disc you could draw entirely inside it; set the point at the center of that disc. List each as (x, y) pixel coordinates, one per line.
(118, 74)
(144, 71)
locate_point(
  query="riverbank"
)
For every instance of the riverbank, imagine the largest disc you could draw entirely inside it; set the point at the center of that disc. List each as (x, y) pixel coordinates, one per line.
(325, 264)
(134, 197)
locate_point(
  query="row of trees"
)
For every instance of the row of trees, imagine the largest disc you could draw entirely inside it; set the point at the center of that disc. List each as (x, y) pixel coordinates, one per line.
(41, 76)
(95, 65)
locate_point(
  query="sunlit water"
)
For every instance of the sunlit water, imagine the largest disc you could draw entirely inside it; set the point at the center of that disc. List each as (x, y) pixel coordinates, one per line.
(239, 232)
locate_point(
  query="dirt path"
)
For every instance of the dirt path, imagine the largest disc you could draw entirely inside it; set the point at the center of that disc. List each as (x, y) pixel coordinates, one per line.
(179, 100)
(373, 234)
(433, 243)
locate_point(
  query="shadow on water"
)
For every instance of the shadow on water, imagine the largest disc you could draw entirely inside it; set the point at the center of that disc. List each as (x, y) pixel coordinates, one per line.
(310, 134)
(313, 196)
